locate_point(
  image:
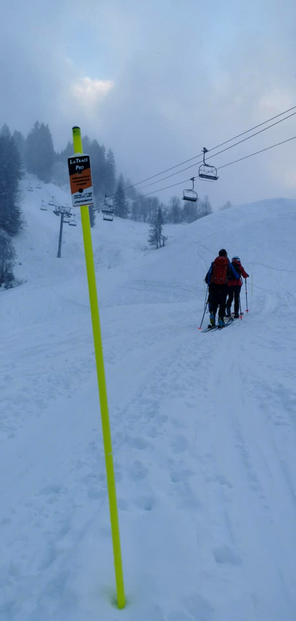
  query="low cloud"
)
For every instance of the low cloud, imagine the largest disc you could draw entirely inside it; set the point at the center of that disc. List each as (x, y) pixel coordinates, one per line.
(156, 81)
(90, 92)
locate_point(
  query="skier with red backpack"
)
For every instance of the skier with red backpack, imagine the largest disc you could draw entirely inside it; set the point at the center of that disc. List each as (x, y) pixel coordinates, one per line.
(234, 287)
(220, 272)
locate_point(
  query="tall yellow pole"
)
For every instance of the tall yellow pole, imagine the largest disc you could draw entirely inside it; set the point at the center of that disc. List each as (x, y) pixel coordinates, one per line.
(92, 287)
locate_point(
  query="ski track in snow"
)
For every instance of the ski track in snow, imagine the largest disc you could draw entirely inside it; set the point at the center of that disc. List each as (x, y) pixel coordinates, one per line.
(203, 427)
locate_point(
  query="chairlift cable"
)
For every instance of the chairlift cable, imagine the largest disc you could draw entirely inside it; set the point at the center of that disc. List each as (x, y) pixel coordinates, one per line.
(212, 149)
(160, 190)
(255, 127)
(248, 137)
(214, 154)
(256, 152)
(219, 167)
(209, 150)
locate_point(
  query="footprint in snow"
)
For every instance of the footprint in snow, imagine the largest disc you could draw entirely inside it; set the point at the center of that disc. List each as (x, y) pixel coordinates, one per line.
(199, 609)
(185, 495)
(138, 443)
(122, 504)
(179, 444)
(179, 424)
(146, 502)
(225, 554)
(180, 476)
(137, 471)
(152, 432)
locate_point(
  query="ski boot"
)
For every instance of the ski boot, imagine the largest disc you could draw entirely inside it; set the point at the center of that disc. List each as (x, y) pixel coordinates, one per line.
(212, 319)
(221, 323)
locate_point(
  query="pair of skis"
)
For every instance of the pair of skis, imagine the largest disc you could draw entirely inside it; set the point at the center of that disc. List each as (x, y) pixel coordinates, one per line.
(213, 328)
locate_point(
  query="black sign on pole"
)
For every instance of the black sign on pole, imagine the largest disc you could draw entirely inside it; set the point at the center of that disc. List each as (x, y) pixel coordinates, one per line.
(80, 180)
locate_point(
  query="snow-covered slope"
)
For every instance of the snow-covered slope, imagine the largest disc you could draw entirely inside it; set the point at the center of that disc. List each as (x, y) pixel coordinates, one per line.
(203, 425)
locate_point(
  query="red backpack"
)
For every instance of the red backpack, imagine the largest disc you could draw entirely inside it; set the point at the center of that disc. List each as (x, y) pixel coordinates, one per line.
(220, 271)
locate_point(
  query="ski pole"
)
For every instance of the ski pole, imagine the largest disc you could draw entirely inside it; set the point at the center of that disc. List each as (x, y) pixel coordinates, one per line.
(247, 310)
(205, 308)
(240, 308)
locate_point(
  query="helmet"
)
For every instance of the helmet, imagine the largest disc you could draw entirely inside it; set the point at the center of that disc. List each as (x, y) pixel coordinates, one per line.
(235, 259)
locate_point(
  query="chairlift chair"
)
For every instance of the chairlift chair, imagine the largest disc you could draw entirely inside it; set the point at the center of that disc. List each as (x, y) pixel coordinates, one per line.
(30, 189)
(206, 171)
(108, 209)
(108, 214)
(38, 186)
(43, 206)
(190, 195)
(66, 218)
(52, 202)
(72, 220)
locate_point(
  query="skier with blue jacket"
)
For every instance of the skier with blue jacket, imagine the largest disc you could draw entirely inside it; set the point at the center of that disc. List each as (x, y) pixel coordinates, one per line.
(234, 287)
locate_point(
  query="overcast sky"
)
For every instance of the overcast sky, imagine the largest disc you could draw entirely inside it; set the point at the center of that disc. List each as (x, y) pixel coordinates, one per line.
(156, 80)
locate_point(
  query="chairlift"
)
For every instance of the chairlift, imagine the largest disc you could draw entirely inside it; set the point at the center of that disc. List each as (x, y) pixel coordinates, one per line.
(108, 209)
(72, 220)
(52, 202)
(190, 195)
(43, 206)
(206, 171)
(66, 218)
(108, 214)
(30, 189)
(38, 186)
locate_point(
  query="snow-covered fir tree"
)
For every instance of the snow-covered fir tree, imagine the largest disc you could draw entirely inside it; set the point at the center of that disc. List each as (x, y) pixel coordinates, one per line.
(7, 259)
(39, 152)
(175, 210)
(10, 175)
(156, 236)
(120, 203)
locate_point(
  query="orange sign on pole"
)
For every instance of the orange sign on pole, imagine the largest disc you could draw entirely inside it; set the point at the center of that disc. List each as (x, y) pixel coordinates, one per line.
(80, 180)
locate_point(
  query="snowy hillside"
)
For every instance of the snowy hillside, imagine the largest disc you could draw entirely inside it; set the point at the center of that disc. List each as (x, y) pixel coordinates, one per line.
(203, 425)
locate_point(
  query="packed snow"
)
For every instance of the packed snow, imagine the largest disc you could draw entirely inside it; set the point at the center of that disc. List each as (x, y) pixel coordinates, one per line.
(203, 425)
